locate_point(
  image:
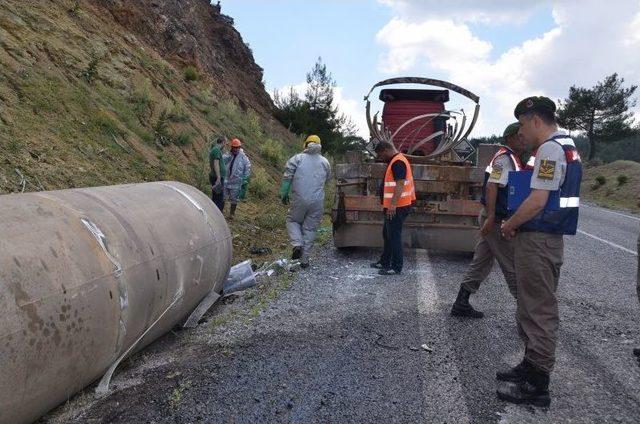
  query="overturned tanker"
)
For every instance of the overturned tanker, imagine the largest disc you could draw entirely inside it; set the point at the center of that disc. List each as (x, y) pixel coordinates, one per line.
(88, 276)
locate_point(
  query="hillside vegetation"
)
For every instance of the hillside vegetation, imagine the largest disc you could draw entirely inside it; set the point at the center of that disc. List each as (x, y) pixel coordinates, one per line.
(109, 92)
(603, 185)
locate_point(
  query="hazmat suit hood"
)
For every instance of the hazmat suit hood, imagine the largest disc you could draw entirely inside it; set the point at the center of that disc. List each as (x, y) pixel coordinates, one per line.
(313, 149)
(241, 169)
(309, 171)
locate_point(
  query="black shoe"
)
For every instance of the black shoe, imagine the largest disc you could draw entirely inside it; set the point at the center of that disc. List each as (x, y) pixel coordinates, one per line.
(378, 265)
(386, 271)
(304, 265)
(524, 392)
(297, 253)
(636, 352)
(514, 374)
(533, 389)
(462, 307)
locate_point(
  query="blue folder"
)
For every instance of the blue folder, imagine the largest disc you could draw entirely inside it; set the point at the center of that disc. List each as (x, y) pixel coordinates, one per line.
(520, 187)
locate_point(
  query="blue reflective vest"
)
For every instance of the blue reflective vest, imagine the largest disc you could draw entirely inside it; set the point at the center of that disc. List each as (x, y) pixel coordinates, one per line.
(564, 220)
(503, 192)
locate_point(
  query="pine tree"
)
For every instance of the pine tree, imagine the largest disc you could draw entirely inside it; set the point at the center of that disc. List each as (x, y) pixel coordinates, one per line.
(602, 111)
(317, 113)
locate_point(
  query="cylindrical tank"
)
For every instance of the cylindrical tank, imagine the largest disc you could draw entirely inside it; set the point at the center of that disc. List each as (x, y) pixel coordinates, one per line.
(85, 272)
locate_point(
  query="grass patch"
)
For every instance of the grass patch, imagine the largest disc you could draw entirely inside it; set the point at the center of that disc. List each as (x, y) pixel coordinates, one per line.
(177, 114)
(178, 393)
(14, 146)
(182, 139)
(235, 122)
(104, 123)
(273, 151)
(271, 220)
(141, 100)
(260, 184)
(191, 74)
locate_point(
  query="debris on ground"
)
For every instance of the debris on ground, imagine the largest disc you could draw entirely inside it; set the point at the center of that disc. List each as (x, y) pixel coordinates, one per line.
(427, 348)
(260, 251)
(241, 277)
(201, 309)
(278, 266)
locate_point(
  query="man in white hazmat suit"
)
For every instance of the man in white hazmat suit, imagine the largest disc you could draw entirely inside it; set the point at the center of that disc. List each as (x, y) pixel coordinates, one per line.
(238, 169)
(305, 175)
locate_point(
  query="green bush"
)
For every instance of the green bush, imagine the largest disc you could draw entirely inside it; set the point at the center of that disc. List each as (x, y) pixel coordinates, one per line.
(90, 73)
(177, 114)
(75, 9)
(601, 180)
(622, 179)
(182, 139)
(14, 146)
(273, 151)
(145, 136)
(260, 184)
(190, 73)
(141, 101)
(161, 129)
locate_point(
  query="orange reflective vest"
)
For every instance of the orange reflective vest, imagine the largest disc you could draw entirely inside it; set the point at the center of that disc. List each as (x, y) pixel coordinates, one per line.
(408, 193)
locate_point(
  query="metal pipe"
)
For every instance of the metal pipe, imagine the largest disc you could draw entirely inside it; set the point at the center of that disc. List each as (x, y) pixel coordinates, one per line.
(84, 273)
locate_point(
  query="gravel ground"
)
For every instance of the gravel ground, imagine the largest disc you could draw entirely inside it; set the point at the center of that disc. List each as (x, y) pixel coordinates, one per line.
(337, 343)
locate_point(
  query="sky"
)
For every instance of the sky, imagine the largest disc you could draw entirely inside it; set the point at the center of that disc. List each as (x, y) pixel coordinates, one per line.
(501, 50)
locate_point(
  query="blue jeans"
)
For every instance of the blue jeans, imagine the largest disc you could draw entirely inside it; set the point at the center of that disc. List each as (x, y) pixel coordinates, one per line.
(392, 257)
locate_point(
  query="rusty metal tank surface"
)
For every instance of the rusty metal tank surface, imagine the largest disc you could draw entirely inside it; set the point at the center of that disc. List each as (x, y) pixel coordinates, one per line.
(85, 272)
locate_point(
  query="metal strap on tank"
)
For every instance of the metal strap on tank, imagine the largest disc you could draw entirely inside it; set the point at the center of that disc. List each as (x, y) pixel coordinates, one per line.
(193, 202)
(103, 387)
(101, 238)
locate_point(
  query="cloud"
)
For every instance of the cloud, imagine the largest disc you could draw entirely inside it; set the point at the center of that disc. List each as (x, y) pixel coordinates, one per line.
(493, 12)
(591, 40)
(408, 42)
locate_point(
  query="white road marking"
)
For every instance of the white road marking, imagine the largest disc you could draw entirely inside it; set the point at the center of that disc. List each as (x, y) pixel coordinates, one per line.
(440, 387)
(635, 218)
(617, 246)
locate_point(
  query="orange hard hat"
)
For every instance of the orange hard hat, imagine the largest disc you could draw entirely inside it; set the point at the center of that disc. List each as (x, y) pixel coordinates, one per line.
(236, 143)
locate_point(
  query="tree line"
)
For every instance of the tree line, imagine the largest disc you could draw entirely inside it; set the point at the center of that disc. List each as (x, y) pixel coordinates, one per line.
(316, 112)
(600, 119)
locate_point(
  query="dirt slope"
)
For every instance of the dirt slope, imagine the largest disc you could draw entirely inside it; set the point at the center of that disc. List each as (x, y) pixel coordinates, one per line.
(612, 194)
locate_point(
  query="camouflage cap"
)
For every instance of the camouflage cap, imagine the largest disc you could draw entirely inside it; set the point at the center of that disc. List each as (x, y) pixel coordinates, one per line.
(534, 103)
(511, 130)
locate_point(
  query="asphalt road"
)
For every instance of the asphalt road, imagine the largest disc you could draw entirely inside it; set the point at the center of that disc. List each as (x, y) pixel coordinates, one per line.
(344, 345)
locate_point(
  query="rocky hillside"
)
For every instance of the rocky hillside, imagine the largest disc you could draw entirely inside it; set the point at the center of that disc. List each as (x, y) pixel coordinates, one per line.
(99, 92)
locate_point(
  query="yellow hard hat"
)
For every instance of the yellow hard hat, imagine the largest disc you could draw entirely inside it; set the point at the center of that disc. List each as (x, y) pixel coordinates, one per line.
(312, 139)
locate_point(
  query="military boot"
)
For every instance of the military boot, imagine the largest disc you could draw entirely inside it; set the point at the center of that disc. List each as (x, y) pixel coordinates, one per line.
(462, 307)
(533, 389)
(514, 374)
(296, 253)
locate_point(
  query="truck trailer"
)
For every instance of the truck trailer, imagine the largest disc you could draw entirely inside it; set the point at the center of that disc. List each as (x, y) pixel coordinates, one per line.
(448, 185)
